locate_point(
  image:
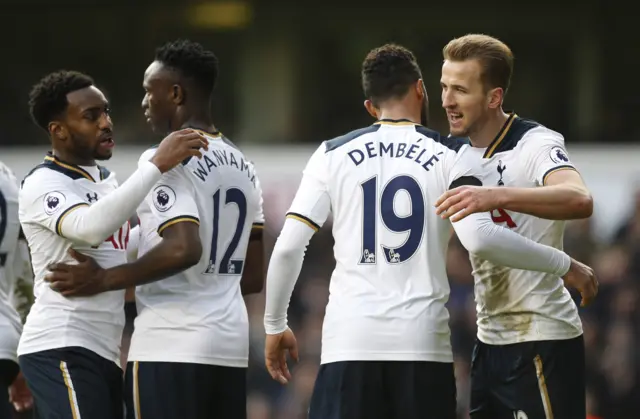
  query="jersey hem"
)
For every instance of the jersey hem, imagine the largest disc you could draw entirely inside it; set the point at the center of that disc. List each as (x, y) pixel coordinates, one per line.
(385, 356)
(41, 347)
(9, 356)
(188, 359)
(486, 339)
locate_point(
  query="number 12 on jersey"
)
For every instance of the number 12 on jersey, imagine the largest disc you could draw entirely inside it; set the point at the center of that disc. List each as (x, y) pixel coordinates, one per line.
(383, 206)
(227, 265)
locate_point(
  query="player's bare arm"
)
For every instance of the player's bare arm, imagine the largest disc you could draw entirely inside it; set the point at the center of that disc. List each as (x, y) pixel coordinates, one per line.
(564, 196)
(179, 249)
(252, 281)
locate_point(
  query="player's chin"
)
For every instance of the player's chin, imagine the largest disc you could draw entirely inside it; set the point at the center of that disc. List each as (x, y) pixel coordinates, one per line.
(155, 126)
(103, 154)
(457, 131)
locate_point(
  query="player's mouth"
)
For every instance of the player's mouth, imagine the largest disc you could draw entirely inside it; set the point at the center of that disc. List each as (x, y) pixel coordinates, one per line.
(455, 118)
(107, 141)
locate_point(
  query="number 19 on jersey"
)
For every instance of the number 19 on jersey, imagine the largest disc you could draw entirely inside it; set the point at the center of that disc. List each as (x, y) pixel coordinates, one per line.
(382, 206)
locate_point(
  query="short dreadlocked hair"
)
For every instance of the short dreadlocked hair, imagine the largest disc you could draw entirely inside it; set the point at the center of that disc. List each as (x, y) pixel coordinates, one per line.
(48, 98)
(192, 61)
(388, 72)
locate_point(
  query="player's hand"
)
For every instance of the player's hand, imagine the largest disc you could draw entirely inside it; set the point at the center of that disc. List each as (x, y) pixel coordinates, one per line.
(83, 279)
(583, 279)
(459, 202)
(177, 146)
(275, 354)
(19, 394)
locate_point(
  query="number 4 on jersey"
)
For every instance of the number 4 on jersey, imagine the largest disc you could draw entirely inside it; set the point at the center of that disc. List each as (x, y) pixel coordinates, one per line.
(412, 224)
(500, 216)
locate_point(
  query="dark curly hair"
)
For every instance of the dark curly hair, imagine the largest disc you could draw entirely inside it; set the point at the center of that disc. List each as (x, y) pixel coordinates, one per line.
(192, 61)
(48, 98)
(387, 73)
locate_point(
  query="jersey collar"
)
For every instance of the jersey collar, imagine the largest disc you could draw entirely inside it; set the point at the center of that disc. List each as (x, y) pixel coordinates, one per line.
(213, 134)
(72, 170)
(495, 144)
(394, 122)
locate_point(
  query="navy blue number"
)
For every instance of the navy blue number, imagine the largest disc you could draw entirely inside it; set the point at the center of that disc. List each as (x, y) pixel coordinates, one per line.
(227, 265)
(369, 204)
(3, 226)
(412, 224)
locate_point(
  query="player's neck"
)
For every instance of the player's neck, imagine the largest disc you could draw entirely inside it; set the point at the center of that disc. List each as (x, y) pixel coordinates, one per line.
(489, 130)
(399, 113)
(70, 158)
(203, 124)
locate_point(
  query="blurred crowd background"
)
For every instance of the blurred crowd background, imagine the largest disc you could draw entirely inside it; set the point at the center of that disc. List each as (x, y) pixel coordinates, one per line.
(290, 78)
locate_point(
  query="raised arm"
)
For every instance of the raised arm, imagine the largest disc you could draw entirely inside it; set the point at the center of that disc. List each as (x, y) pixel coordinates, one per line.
(561, 193)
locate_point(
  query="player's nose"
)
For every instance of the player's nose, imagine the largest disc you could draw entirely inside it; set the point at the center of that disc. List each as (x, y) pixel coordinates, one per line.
(145, 102)
(447, 100)
(105, 122)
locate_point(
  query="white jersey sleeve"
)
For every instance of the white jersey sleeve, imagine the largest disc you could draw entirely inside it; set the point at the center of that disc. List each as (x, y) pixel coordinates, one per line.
(258, 220)
(172, 198)
(312, 204)
(311, 207)
(47, 198)
(543, 152)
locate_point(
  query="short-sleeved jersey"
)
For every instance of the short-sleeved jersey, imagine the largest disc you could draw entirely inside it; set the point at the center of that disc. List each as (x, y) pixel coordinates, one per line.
(10, 323)
(515, 305)
(199, 315)
(389, 287)
(51, 191)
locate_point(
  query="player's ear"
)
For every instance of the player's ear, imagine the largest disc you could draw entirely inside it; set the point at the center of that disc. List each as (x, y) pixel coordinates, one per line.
(495, 97)
(57, 130)
(177, 94)
(421, 90)
(369, 106)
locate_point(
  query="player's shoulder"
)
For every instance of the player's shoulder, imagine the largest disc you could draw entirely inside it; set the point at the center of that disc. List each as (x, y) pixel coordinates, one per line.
(54, 171)
(45, 174)
(149, 153)
(540, 134)
(344, 139)
(452, 143)
(520, 132)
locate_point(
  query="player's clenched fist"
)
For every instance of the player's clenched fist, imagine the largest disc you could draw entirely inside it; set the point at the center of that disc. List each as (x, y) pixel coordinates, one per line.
(583, 279)
(178, 146)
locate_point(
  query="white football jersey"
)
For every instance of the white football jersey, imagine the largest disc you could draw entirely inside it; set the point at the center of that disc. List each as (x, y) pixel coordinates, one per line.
(48, 194)
(515, 305)
(199, 315)
(10, 323)
(389, 287)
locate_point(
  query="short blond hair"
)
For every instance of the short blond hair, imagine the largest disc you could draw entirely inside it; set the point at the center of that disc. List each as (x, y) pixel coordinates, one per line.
(494, 56)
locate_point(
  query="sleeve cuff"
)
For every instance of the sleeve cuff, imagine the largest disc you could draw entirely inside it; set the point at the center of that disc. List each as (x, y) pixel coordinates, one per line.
(176, 220)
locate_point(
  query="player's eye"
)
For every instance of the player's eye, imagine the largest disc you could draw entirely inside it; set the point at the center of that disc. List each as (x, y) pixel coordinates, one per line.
(91, 115)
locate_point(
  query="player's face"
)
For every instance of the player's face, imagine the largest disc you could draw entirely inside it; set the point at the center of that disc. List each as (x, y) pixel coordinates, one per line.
(89, 130)
(158, 103)
(464, 96)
